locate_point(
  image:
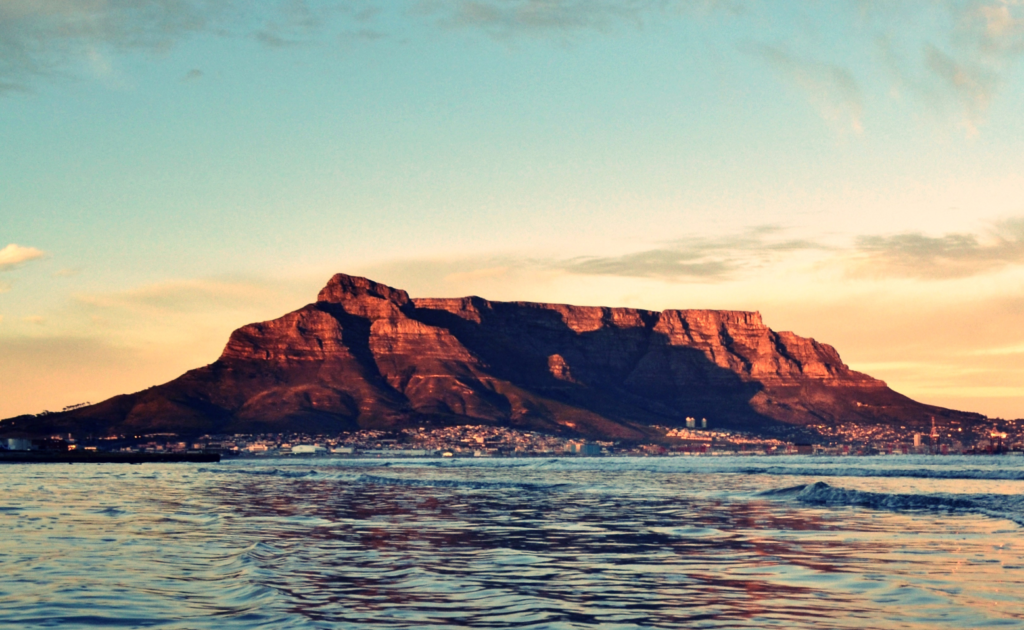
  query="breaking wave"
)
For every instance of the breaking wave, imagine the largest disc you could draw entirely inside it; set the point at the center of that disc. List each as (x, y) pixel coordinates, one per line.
(1010, 507)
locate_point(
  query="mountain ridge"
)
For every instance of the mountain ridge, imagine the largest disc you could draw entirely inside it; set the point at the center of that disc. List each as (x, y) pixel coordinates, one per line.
(367, 355)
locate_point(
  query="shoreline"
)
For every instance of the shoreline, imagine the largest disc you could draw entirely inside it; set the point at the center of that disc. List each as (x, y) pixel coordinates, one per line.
(102, 457)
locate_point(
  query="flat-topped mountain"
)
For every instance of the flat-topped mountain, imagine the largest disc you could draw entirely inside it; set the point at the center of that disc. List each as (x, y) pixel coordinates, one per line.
(366, 355)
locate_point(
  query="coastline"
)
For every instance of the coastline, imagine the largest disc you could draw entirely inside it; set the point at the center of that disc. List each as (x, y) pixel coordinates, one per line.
(103, 457)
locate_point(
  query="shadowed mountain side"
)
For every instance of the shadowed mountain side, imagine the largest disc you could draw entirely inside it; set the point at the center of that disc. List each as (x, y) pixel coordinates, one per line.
(650, 366)
(365, 355)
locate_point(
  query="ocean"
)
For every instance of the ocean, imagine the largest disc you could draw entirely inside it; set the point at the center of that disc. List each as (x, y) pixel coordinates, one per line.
(618, 543)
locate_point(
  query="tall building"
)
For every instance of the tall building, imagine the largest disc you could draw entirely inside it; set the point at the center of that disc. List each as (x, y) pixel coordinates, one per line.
(590, 449)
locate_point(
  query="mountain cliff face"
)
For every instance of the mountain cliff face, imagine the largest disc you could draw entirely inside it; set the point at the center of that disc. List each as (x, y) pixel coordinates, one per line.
(366, 355)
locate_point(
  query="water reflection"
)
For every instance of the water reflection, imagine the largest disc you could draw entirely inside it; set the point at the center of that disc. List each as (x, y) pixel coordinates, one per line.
(505, 548)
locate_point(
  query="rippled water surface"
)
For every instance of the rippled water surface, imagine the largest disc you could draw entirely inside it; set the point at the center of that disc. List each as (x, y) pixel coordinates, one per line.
(799, 542)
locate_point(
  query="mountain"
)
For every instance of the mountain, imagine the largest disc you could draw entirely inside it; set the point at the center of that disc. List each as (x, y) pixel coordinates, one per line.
(366, 355)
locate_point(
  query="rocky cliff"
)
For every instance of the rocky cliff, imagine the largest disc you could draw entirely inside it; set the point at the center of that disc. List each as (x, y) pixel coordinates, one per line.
(366, 355)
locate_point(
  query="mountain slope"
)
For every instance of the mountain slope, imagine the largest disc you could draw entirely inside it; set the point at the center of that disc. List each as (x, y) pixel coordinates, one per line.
(366, 355)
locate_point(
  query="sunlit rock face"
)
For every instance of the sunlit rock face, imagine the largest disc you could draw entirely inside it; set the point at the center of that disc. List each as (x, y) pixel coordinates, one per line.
(366, 355)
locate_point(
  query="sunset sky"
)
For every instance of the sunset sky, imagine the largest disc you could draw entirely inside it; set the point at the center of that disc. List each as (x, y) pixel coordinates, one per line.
(173, 169)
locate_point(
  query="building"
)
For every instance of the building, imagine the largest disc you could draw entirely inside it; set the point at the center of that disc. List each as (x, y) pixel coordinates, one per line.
(397, 452)
(588, 449)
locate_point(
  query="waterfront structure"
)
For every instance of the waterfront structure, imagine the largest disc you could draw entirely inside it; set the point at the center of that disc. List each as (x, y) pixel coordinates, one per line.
(308, 449)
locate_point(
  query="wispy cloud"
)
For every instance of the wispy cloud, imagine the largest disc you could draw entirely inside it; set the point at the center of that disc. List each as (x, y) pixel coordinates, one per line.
(14, 254)
(989, 36)
(507, 18)
(957, 255)
(55, 37)
(728, 257)
(958, 69)
(364, 35)
(476, 274)
(1000, 351)
(291, 27)
(741, 255)
(958, 64)
(42, 37)
(184, 296)
(994, 27)
(698, 258)
(971, 85)
(830, 88)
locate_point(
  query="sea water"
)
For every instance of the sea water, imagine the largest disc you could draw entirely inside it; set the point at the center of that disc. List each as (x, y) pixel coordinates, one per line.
(671, 542)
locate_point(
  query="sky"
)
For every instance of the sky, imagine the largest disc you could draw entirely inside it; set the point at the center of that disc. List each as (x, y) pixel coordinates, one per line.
(171, 170)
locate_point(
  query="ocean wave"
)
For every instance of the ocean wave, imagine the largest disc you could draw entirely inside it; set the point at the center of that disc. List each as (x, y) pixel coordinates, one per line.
(453, 483)
(1009, 469)
(916, 473)
(782, 492)
(1010, 507)
(272, 472)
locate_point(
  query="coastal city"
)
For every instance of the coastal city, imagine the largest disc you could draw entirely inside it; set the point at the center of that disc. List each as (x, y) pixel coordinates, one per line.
(493, 441)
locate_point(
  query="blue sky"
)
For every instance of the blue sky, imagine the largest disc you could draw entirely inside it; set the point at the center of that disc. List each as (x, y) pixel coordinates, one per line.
(173, 169)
